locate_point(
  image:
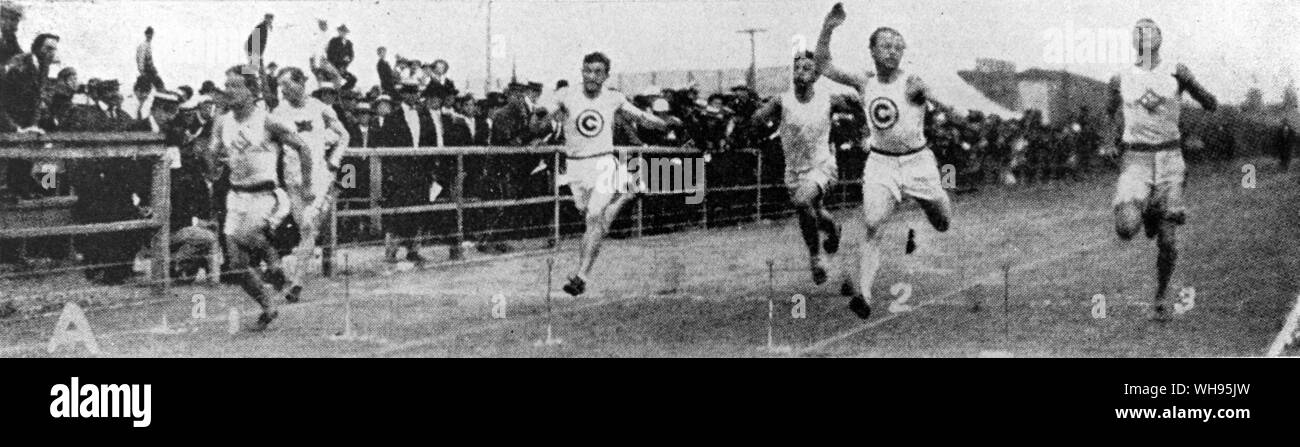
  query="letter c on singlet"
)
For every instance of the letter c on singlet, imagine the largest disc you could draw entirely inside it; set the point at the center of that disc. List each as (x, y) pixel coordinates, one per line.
(883, 113)
(590, 123)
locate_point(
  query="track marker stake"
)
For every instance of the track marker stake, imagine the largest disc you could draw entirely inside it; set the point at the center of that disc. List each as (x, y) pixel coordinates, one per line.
(550, 338)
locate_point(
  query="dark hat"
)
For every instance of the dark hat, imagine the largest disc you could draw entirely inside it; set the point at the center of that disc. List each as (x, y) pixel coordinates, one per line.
(107, 86)
(535, 86)
(344, 28)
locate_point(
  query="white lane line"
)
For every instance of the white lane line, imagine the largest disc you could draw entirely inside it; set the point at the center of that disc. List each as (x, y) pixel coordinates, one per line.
(1288, 332)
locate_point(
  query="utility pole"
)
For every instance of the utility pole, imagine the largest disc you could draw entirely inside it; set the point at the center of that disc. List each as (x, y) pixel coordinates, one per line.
(753, 56)
(487, 82)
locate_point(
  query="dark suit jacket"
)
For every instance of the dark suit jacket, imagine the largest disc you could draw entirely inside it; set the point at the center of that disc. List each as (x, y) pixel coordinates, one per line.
(9, 47)
(339, 53)
(444, 88)
(20, 91)
(510, 126)
(387, 77)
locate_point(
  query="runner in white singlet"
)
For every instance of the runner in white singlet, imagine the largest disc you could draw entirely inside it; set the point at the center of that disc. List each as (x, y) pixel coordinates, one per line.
(318, 125)
(810, 167)
(250, 142)
(901, 164)
(1149, 192)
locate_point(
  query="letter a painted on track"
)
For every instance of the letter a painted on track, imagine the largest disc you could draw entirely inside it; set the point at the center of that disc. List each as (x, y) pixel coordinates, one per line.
(73, 328)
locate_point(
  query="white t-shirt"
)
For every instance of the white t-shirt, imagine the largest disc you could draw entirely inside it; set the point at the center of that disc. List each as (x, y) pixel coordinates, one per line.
(589, 126)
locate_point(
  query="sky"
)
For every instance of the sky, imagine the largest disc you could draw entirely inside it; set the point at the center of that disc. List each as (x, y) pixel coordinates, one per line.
(1231, 45)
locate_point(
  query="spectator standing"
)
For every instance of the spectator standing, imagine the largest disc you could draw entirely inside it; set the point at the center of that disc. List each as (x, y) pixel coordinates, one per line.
(388, 78)
(439, 83)
(340, 54)
(255, 46)
(22, 84)
(10, 15)
(144, 61)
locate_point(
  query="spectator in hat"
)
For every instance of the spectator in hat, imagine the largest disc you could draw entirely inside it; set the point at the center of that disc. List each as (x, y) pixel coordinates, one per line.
(107, 190)
(208, 88)
(439, 83)
(340, 54)
(21, 86)
(673, 135)
(407, 180)
(61, 94)
(144, 61)
(186, 93)
(388, 78)
(10, 15)
(190, 132)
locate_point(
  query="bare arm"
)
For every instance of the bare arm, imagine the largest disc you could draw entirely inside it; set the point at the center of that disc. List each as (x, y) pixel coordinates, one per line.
(289, 137)
(333, 123)
(643, 118)
(823, 54)
(1187, 83)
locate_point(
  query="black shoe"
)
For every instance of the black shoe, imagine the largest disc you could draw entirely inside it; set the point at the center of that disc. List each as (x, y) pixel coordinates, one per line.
(860, 307)
(911, 241)
(277, 279)
(575, 286)
(294, 295)
(818, 273)
(1161, 314)
(832, 242)
(847, 289)
(265, 319)
(1151, 223)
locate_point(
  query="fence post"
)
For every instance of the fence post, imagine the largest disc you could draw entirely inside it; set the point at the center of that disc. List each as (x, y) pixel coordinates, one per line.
(327, 253)
(376, 190)
(758, 189)
(460, 205)
(703, 184)
(555, 193)
(161, 206)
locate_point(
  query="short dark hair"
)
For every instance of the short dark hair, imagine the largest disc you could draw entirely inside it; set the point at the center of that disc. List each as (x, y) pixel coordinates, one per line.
(148, 30)
(875, 35)
(561, 84)
(250, 80)
(141, 84)
(804, 55)
(718, 96)
(40, 41)
(443, 62)
(295, 74)
(597, 57)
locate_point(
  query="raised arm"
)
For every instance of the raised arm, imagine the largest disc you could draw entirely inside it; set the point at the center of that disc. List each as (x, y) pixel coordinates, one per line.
(1187, 83)
(823, 54)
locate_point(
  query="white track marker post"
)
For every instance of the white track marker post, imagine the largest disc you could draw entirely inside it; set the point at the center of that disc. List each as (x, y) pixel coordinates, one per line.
(550, 339)
(771, 292)
(1290, 331)
(347, 333)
